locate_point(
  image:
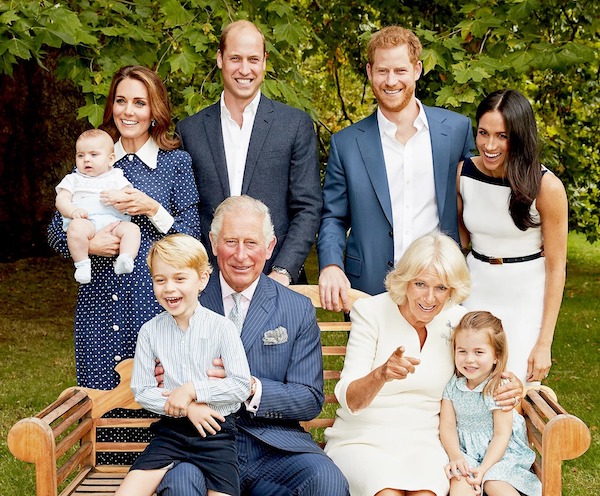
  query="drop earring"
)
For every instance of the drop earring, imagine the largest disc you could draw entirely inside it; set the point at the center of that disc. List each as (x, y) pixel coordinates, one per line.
(152, 123)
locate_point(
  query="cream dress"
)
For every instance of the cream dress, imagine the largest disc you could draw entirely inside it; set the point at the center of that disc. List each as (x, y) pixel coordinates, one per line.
(394, 442)
(513, 292)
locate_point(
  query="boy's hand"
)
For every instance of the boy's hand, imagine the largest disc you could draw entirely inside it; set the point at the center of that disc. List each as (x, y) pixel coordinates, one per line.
(205, 419)
(179, 400)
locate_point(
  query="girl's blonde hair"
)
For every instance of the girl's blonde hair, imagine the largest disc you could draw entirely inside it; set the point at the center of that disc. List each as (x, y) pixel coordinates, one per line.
(482, 321)
(182, 252)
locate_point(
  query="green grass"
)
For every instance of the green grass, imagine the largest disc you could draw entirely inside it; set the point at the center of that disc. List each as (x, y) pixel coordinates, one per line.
(36, 335)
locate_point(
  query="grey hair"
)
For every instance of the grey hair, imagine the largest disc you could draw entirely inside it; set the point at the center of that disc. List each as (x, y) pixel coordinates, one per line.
(239, 205)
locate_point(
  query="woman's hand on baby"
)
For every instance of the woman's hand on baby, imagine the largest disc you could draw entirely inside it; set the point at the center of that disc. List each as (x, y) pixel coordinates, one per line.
(105, 243)
(130, 201)
(205, 419)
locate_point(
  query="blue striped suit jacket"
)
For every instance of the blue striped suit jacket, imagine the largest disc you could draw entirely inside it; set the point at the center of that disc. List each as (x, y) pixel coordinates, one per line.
(291, 373)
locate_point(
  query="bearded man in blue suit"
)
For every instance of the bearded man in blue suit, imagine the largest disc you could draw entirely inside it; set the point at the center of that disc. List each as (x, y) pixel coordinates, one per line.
(281, 338)
(391, 177)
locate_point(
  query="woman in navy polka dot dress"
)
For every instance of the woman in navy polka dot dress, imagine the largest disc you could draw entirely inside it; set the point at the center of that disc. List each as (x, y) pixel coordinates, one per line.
(164, 200)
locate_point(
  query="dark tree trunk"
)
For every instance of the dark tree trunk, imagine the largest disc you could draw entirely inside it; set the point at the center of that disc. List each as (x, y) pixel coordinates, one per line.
(38, 129)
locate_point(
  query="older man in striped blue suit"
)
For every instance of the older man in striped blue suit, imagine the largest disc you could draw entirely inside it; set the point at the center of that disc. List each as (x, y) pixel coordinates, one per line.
(282, 342)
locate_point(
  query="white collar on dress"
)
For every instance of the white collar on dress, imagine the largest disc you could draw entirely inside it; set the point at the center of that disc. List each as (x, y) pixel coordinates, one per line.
(148, 153)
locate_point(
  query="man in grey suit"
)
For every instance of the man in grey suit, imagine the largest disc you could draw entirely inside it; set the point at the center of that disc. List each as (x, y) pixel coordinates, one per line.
(391, 177)
(249, 144)
(281, 337)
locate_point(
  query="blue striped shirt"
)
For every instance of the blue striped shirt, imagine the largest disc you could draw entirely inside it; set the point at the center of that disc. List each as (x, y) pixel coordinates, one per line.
(186, 356)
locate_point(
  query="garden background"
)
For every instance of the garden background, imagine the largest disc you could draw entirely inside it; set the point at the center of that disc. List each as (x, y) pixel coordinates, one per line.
(56, 63)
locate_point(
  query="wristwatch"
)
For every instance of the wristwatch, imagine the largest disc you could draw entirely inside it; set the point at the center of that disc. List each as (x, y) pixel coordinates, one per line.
(281, 270)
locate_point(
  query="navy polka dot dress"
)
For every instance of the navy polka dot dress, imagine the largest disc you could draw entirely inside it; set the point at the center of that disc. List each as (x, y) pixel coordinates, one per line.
(111, 309)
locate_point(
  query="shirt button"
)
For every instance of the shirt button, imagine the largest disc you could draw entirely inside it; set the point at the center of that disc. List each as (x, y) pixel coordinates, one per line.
(117, 358)
(390, 263)
(391, 234)
(115, 327)
(115, 297)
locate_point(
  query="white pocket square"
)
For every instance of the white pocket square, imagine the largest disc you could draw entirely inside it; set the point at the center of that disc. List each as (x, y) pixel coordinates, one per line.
(275, 336)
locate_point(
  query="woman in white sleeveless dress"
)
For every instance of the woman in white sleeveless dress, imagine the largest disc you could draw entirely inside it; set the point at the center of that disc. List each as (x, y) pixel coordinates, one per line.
(514, 215)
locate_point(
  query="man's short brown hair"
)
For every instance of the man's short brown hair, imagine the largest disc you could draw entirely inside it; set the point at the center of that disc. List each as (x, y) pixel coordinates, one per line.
(391, 37)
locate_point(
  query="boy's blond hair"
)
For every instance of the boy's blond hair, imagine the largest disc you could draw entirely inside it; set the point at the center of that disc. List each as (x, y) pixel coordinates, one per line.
(182, 252)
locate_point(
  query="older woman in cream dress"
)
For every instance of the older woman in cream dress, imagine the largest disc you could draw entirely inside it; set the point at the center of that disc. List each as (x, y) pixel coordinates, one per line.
(385, 438)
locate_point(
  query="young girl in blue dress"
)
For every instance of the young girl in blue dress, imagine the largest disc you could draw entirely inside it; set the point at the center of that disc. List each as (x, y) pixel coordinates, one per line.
(487, 446)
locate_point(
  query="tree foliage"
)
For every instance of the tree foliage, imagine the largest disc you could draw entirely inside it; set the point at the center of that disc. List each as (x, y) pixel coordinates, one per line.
(317, 51)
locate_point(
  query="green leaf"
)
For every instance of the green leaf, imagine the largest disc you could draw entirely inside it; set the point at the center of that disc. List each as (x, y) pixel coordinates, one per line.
(290, 32)
(8, 17)
(174, 13)
(19, 48)
(93, 112)
(186, 61)
(432, 58)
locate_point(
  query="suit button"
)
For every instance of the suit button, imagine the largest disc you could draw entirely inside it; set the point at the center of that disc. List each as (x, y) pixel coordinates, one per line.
(390, 263)
(391, 234)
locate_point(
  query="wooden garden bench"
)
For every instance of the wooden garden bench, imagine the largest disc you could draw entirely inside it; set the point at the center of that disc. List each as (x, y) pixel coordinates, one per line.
(61, 439)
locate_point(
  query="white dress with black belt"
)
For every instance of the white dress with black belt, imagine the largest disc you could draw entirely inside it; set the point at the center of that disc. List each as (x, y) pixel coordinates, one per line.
(513, 292)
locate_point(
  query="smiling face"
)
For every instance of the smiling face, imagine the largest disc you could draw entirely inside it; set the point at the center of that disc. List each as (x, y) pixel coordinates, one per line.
(241, 249)
(474, 355)
(243, 64)
(177, 289)
(492, 142)
(132, 113)
(393, 78)
(426, 296)
(94, 155)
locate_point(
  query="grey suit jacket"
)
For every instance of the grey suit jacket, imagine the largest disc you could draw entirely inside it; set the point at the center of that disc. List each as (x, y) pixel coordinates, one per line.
(290, 370)
(282, 170)
(356, 196)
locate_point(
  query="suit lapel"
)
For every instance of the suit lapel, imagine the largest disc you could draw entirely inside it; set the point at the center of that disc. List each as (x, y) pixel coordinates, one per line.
(212, 128)
(260, 131)
(439, 134)
(369, 144)
(261, 308)
(211, 297)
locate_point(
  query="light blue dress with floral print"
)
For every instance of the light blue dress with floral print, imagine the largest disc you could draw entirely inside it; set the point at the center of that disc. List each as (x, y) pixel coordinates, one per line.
(475, 426)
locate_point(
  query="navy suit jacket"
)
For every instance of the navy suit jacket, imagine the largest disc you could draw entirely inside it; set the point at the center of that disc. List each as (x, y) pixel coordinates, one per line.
(282, 170)
(356, 196)
(291, 373)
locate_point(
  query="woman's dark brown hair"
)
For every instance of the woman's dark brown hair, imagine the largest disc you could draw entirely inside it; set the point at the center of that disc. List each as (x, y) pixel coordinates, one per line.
(158, 99)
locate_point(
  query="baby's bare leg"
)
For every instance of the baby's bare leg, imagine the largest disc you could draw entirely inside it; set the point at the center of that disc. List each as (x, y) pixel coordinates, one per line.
(130, 238)
(141, 482)
(79, 233)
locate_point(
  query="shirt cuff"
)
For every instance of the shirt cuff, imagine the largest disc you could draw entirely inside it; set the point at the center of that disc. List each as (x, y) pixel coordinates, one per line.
(162, 220)
(253, 404)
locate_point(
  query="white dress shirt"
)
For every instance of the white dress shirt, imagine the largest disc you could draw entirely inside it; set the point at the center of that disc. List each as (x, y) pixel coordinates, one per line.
(409, 169)
(228, 303)
(237, 140)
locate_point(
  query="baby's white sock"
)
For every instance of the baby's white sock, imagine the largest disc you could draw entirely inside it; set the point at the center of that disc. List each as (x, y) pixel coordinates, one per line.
(124, 264)
(83, 271)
